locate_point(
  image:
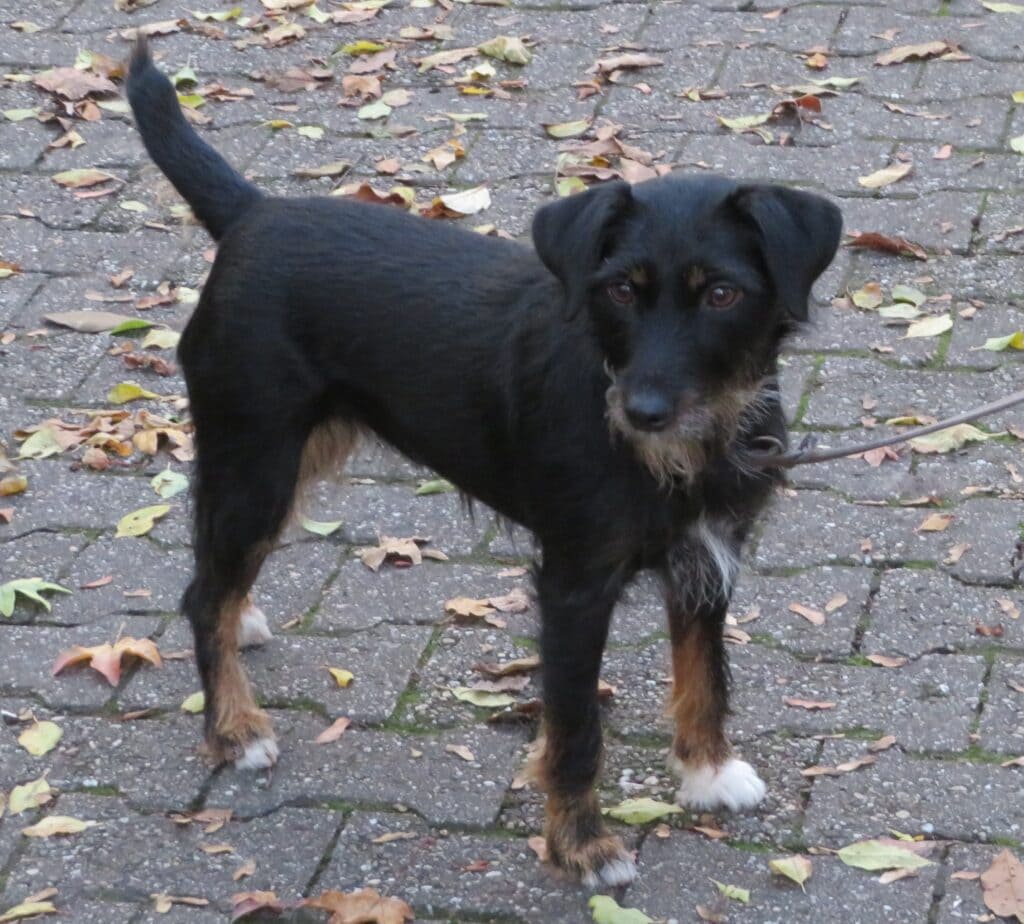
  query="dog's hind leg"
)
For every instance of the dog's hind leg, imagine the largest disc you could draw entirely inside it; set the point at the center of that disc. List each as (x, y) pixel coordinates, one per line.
(246, 472)
(576, 606)
(697, 597)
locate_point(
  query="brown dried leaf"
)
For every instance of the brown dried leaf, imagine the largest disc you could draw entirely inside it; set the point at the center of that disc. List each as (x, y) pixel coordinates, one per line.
(72, 83)
(106, 658)
(364, 906)
(1002, 886)
(836, 603)
(625, 62)
(936, 523)
(333, 731)
(886, 660)
(809, 704)
(920, 52)
(814, 617)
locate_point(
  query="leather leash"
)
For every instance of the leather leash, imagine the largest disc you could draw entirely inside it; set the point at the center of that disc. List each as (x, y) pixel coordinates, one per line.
(806, 453)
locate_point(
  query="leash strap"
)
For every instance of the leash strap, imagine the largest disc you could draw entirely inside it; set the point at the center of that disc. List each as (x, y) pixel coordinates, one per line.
(806, 453)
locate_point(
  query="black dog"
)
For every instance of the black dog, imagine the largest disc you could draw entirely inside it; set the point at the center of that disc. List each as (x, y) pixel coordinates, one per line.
(602, 391)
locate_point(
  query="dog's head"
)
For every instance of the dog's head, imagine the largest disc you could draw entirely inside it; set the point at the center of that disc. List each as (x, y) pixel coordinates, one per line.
(690, 284)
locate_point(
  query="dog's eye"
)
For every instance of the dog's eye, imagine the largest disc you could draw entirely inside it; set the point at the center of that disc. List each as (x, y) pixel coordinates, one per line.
(622, 292)
(722, 297)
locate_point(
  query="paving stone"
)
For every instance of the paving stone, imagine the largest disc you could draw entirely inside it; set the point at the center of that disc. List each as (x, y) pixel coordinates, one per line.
(153, 763)
(359, 598)
(50, 366)
(58, 498)
(1002, 719)
(932, 700)
(134, 566)
(450, 665)
(1002, 214)
(514, 884)
(986, 276)
(664, 890)
(813, 527)
(962, 899)
(917, 611)
(293, 669)
(45, 555)
(369, 767)
(958, 799)
(985, 468)
(46, 17)
(844, 382)
(925, 221)
(966, 346)
(373, 459)
(940, 80)
(133, 856)
(369, 511)
(27, 654)
(16, 292)
(815, 588)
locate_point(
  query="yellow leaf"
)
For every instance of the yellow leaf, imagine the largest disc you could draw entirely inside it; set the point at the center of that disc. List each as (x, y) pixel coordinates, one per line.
(27, 910)
(123, 392)
(949, 439)
(29, 796)
(362, 47)
(341, 676)
(195, 703)
(52, 825)
(141, 521)
(930, 327)
(796, 868)
(40, 738)
(885, 177)
(567, 129)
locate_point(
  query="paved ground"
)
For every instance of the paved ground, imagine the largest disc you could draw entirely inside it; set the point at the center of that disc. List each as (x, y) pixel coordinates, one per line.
(941, 602)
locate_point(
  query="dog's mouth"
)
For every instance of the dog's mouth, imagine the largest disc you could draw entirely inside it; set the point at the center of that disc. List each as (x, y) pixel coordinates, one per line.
(679, 442)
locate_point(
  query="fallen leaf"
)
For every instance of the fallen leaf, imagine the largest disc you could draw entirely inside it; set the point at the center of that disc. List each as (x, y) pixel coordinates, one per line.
(467, 202)
(27, 910)
(949, 439)
(868, 297)
(539, 845)
(605, 910)
(333, 731)
(33, 588)
(194, 704)
(468, 607)
(434, 486)
(141, 521)
(797, 868)
(319, 527)
(460, 750)
(162, 903)
(483, 698)
(886, 660)
(809, 704)
(886, 176)
(106, 658)
(997, 7)
(342, 677)
(882, 744)
(904, 53)
(716, 834)
(814, 617)
(879, 854)
(40, 738)
(334, 168)
(246, 903)
(837, 602)
(29, 796)
(873, 240)
(1002, 886)
(1014, 341)
(53, 825)
(506, 48)
(168, 484)
(400, 552)
(87, 322)
(517, 666)
(625, 62)
(641, 810)
(936, 523)
(929, 327)
(567, 129)
(392, 836)
(734, 892)
(364, 906)
(73, 84)
(123, 392)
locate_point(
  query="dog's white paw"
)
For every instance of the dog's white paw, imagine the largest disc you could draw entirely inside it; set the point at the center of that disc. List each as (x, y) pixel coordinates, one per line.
(252, 627)
(735, 784)
(618, 872)
(259, 755)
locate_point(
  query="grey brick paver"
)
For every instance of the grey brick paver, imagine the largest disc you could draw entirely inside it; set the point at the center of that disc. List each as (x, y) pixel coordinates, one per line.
(842, 528)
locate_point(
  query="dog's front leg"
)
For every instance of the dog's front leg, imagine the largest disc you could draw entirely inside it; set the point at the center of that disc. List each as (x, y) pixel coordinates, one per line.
(576, 605)
(697, 598)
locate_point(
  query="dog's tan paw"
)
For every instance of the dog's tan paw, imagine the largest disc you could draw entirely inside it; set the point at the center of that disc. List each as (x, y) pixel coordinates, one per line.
(734, 785)
(258, 755)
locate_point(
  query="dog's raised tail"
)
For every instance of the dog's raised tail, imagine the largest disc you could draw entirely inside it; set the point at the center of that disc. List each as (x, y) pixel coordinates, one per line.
(219, 196)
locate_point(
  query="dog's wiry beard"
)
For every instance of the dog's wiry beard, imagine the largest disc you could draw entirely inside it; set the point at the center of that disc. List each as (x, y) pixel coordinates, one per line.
(683, 450)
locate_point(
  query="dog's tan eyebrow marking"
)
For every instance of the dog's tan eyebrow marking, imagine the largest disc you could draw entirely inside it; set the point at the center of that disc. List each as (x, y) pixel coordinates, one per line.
(696, 278)
(638, 276)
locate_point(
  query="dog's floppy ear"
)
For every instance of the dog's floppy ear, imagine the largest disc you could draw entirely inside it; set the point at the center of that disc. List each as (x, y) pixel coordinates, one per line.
(799, 235)
(570, 235)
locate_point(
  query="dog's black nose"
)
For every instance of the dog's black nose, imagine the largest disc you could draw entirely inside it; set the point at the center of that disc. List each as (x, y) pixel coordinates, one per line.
(648, 410)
